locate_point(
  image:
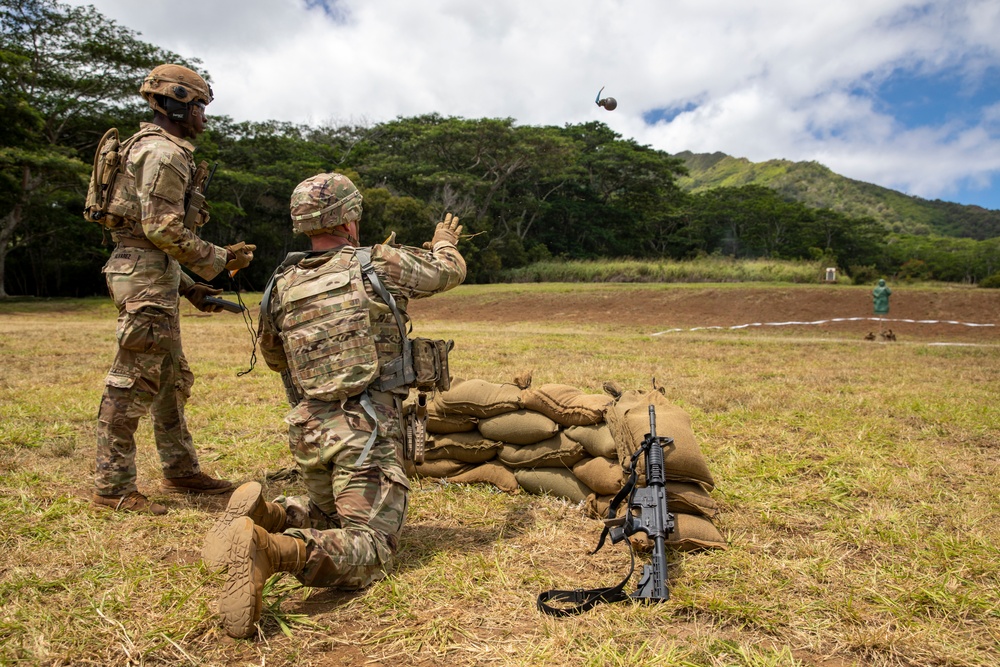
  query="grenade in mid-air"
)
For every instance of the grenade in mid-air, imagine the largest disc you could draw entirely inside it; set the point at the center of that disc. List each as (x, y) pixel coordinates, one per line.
(608, 103)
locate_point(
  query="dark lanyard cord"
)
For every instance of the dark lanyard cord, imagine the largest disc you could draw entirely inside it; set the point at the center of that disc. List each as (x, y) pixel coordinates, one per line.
(235, 282)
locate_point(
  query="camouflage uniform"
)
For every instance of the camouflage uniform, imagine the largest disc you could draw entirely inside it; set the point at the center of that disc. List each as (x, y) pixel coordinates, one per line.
(352, 517)
(149, 372)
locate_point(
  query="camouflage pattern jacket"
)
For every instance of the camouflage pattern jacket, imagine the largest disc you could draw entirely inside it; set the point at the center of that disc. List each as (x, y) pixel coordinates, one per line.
(161, 167)
(316, 338)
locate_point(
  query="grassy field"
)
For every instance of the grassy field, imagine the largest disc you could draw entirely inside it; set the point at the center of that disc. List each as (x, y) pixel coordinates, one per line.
(858, 483)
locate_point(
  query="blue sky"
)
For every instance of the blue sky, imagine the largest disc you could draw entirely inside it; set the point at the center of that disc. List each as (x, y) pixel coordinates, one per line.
(903, 95)
(941, 98)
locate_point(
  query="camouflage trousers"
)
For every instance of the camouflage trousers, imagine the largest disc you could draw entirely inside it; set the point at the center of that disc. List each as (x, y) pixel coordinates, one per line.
(149, 375)
(353, 516)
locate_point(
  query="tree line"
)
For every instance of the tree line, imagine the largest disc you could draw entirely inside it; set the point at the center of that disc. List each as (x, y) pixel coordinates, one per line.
(524, 193)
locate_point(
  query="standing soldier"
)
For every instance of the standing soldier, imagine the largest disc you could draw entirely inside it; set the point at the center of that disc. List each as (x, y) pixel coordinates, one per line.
(153, 207)
(880, 297)
(333, 323)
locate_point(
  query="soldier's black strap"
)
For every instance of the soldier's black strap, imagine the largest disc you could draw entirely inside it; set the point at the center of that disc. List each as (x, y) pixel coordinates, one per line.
(366, 404)
(584, 599)
(626, 491)
(265, 300)
(399, 367)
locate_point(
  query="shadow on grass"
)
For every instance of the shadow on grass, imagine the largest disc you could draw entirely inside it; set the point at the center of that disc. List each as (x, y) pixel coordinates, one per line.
(420, 544)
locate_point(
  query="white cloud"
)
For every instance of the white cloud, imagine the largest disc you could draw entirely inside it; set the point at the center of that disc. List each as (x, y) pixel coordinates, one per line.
(775, 79)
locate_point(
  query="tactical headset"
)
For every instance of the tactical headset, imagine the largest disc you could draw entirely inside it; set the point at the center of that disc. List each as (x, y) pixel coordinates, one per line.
(176, 110)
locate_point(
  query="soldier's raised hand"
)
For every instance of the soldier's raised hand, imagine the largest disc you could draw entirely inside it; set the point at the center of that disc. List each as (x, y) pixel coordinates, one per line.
(447, 230)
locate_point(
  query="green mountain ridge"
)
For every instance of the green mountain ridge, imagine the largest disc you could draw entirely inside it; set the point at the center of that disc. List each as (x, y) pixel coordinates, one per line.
(816, 186)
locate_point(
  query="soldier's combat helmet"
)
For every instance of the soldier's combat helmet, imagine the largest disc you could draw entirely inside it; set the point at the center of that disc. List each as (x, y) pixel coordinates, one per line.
(174, 82)
(324, 202)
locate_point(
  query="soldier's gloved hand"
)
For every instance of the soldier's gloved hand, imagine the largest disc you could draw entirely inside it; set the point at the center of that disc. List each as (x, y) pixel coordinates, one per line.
(240, 255)
(447, 230)
(196, 295)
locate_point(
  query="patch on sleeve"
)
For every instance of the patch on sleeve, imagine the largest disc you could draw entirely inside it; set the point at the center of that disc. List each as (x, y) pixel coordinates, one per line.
(169, 182)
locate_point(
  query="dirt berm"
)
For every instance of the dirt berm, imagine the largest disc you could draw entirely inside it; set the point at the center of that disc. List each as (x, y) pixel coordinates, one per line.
(662, 307)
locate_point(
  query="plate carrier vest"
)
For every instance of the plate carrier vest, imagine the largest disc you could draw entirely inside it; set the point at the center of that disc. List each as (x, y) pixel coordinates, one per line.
(331, 327)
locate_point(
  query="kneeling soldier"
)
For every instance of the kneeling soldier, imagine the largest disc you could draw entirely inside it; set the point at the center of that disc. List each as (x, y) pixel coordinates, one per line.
(333, 324)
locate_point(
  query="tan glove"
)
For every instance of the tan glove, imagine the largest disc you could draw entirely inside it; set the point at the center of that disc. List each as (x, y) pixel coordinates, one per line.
(240, 255)
(448, 230)
(196, 295)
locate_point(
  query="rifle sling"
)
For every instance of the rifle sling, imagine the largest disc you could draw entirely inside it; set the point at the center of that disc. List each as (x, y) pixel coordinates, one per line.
(584, 599)
(616, 502)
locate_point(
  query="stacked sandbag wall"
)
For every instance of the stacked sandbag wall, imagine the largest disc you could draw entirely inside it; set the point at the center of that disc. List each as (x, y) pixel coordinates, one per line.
(559, 440)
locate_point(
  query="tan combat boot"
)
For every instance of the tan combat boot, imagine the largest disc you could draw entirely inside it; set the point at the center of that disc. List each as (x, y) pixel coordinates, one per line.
(130, 502)
(254, 555)
(247, 500)
(200, 483)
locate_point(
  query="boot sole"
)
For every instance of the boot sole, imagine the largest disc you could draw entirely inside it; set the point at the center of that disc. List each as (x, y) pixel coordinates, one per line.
(237, 606)
(215, 552)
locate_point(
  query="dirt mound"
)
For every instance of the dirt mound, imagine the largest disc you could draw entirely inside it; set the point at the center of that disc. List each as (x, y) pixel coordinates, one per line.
(664, 307)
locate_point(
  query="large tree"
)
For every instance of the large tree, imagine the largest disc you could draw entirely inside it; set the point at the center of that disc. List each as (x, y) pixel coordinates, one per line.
(66, 74)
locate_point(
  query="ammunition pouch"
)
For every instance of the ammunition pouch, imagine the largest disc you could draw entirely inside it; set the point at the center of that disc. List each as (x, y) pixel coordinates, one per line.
(430, 364)
(415, 430)
(397, 372)
(196, 212)
(427, 369)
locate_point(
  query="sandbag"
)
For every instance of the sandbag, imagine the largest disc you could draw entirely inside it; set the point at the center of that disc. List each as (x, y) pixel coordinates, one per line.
(683, 497)
(595, 438)
(558, 482)
(441, 468)
(566, 405)
(602, 474)
(555, 451)
(437, 423)
(690, 498)
(476, 398)
(470, 447)
(695, 532)
(691, 533)
(628, 420)
(520, 427)
(492, 472)
(462, 454)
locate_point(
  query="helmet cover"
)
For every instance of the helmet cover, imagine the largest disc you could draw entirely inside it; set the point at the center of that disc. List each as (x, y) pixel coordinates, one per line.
(324, 202)
(176, 82)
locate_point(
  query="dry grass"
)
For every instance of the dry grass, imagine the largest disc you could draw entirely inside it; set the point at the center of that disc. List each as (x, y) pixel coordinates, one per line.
(858, 483)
